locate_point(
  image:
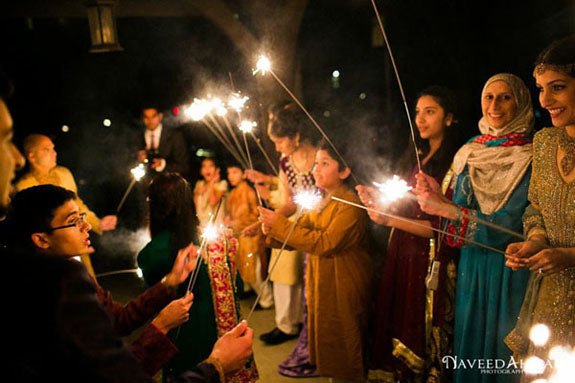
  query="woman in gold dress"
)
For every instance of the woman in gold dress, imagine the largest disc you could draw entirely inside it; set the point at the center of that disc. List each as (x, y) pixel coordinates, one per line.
(549, 221)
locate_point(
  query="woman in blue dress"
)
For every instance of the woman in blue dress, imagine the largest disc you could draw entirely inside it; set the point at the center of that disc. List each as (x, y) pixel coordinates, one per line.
(492, 178)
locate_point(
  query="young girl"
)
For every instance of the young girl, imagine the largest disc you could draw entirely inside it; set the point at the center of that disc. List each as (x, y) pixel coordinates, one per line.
(215, 309)
(405, 319)
(209, 192)
(338, 275)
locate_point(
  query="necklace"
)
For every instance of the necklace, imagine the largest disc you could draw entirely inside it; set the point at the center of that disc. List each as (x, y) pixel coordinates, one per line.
(567, 143)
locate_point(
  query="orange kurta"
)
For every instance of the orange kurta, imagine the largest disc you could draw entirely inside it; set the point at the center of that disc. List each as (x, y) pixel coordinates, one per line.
(338, 282)
(242, 210)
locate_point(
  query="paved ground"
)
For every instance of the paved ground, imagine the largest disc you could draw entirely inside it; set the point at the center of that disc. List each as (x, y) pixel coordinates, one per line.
(126, 286)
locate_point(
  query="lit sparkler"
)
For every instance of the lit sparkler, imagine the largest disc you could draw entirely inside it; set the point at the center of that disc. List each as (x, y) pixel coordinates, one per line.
(138, 172)
(263, 65)
(236, 102)
(534, 365)
(393, 189)
(198, 109)
(247, 126)
(210, 233)
(307, 200)
(218, 107)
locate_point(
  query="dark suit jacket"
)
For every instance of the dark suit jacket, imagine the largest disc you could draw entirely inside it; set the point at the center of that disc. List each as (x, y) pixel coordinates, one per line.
(58, 330)
(174, 149)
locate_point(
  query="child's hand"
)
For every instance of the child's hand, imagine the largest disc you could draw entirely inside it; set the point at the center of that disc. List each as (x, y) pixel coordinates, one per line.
(267, 218)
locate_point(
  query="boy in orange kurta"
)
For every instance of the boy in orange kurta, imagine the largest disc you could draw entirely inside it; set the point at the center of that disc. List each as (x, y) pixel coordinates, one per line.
(338, 275)
(241, 208)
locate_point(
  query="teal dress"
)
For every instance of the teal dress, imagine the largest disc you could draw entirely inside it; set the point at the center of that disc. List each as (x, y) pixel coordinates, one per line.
(488, 294)
(198, 335)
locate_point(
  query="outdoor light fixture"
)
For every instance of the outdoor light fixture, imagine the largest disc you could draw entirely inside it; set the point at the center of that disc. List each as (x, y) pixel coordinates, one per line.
(103, 26)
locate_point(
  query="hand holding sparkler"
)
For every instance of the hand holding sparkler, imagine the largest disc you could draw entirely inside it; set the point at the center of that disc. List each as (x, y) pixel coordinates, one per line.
(184, 264)
(368, 196)
(430, 198)
(267, 218)
(518, 253)
(174, 314)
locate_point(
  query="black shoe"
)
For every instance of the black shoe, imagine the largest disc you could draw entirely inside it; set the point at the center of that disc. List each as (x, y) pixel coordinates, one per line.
(276, 336)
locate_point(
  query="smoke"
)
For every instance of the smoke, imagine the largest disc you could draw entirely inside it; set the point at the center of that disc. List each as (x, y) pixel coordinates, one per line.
(118, 249)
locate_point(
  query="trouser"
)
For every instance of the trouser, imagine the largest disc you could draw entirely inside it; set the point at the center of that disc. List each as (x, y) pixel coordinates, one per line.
(289, 305)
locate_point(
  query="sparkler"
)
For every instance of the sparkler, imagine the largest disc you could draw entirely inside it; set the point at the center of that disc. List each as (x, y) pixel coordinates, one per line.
(138, 172)
(264, 65)
(539, 334)
(246, 127)
(393, 189)
(307, 200)
(398, 82)
(236, 102)
(415, 223)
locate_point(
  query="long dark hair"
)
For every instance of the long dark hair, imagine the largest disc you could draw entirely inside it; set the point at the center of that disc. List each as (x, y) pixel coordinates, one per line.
(452, 137)
(171, 207)
(287, 120)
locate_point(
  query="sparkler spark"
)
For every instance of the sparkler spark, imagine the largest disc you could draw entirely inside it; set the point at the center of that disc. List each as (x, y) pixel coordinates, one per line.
(539, 334)
(210, 233)
(247, 126)
(138, 172)
(263, 65)
(307, 200)
(236, 102)
(393, 189)
(218, 106)
(198, 109)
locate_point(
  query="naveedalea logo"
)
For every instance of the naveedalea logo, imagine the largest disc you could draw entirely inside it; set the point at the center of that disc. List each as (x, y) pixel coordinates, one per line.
(486, 366)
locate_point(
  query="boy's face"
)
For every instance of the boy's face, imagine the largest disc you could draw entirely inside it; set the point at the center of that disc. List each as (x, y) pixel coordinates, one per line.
(208, 170)
(235, 175)
(70, 241)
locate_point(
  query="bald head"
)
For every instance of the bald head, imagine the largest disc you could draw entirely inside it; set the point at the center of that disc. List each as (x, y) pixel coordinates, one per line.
(39, 150)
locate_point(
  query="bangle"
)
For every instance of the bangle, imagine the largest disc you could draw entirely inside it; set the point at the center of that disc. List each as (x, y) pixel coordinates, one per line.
(536, 231)
(164, 282)
(218, 366)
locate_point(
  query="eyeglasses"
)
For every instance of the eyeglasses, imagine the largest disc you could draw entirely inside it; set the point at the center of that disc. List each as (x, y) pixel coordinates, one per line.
(78, 223)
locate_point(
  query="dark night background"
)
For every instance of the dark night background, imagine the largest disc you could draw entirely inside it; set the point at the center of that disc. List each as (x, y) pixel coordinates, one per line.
(172, 59)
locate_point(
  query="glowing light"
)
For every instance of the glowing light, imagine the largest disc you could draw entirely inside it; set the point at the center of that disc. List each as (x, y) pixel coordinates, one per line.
(65, 128)
(138, 172)
(362, 96)
(107, 122)
(263, 65)
(247, 126)
(210, 233)
(564, 364)
(218, 106)
(534, 366)
(307, 199)
(558, 353)
(236, 102)
(393, 189)
(139, 273)
(198, 109)
(335, 74)
(539, 334)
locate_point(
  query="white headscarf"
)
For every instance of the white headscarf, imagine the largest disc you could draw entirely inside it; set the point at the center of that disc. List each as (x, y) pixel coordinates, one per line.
(496, 171)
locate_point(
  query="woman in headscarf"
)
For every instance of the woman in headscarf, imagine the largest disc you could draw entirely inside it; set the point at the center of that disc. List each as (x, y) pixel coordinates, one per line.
(492, 178)
(549, 221)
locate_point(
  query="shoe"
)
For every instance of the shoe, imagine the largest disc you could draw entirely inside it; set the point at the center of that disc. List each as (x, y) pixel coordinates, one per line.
(276, 336)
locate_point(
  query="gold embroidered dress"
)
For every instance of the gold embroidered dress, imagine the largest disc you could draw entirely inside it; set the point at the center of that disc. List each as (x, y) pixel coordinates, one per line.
(550, 299)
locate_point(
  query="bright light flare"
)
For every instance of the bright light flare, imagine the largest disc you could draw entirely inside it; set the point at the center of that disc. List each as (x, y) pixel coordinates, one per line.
(247, 126)
(563, 363)
(198, 109)
(138, 171)
(210, 232)
(307, 200)
(539, 334)
(534, 366)
(393, 189)
(219, 107)
(237, 102)
(263, 65)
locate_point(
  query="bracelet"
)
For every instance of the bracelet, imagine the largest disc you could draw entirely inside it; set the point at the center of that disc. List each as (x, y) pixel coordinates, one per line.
(165, 284)
(536, 231)
(218, 366)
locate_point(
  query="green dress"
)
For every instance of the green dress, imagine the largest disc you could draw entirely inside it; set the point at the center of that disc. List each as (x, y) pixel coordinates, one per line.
(198, 335)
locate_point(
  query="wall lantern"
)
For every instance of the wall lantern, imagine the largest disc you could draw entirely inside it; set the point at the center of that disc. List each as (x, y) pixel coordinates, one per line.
(103, 26)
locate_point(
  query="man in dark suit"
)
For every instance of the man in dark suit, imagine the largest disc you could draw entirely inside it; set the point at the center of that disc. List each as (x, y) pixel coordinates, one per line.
(165, 149)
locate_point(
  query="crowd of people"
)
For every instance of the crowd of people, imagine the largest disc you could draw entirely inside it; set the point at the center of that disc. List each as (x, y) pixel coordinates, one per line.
(482, 251)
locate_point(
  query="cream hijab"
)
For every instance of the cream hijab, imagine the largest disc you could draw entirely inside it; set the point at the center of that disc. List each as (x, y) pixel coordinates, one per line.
(495, 172)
